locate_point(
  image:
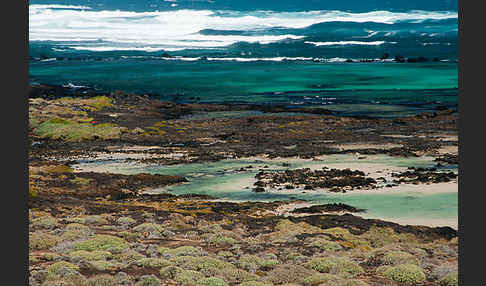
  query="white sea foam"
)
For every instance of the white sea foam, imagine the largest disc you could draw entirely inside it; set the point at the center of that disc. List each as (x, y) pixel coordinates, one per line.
(181, 28)
(236, 59)
(108, 48)
(375, 43)
(57, 6)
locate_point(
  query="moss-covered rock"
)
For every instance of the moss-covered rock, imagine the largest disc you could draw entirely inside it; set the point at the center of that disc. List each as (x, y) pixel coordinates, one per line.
(407, 274)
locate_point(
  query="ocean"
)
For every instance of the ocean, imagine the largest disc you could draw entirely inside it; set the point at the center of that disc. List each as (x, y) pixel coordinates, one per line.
(380, 58)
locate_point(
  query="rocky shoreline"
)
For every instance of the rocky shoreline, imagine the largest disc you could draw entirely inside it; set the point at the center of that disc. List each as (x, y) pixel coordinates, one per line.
(89, 228)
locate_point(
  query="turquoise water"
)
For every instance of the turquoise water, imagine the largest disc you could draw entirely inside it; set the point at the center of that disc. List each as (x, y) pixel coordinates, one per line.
(224, 180)
(289, 52)
(416, 87)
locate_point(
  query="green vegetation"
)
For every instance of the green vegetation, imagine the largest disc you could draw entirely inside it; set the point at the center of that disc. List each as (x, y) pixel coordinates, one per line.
(90, 255)
(149, 227)
(335, 265)
(149, 280)
(103, 265)
(211, 281)
(94, 103)
(81, 181)
(39, 241)
(74, 231)
(221, 240)
(56, 266)
(399, 257)
(170, 272)
(407, 274)
(62, 129)
(450, 279)
(255, 283)
(102, 242)
(150, 262)
(126, 221)
(101, 280)
(253, 262)
(45, 222)
(188, 277)
(288, 273)
(327, 245)
(323, 279)
(180, 251)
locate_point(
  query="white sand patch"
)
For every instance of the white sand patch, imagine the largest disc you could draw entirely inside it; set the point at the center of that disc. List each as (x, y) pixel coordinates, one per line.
(436, 188)
(356, 146)
(397, 136)
(448, 150)
(451, 222)
(132, 148)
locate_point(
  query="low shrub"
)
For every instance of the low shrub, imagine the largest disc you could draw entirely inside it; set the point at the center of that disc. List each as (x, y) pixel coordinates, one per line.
(407, 274)
(399, 257)
(188, 277)
(152, 262)
(180, 251)
(149, 227)
(101, 280)
(450, 279)
(102, 242)
(40, 241)
(323, 279)
(253, 263)
(211, 281)
(52, 269)
(44, 222)
(288, 273)
(79, 255)
(335, 265)
(148, 280)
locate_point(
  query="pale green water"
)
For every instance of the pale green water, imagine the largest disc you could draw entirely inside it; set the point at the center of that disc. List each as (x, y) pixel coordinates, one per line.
(224, 180)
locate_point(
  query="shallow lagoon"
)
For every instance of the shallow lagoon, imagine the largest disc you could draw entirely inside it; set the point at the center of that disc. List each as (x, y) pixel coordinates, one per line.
(435, 204)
